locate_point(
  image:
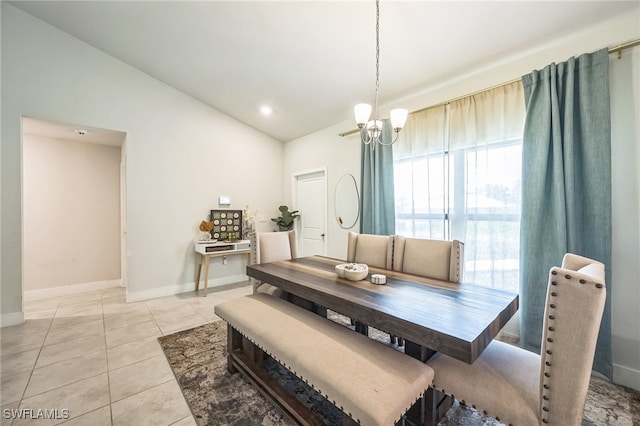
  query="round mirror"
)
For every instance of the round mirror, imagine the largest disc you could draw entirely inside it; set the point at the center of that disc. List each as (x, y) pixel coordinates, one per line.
(347, 201)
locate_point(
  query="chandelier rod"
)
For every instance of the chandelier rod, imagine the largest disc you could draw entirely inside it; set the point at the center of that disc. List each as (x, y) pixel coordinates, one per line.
(375, 105)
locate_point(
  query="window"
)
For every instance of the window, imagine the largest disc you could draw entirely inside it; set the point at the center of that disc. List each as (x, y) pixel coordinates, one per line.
(457, 174)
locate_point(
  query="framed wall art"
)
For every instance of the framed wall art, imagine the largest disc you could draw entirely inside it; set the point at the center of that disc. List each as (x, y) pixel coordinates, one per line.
(227, 225)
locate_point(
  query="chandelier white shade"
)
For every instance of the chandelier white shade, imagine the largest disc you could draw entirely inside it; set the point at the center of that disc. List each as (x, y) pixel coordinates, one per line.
(362, 113)
(371, 129)
(398, 117)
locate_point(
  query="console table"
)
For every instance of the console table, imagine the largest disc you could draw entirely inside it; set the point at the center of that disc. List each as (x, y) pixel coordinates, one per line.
(207, 250)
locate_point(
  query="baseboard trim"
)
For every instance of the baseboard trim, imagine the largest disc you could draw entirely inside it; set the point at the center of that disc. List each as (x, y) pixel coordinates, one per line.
(14, 318)
(626, 376)
(66, 290)
(170, 290)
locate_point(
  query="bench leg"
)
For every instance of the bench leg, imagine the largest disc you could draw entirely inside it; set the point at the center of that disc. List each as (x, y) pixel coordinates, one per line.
(234, 343)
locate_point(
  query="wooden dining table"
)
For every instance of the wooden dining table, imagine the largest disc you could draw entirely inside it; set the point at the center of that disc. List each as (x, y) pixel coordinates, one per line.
(459, 320)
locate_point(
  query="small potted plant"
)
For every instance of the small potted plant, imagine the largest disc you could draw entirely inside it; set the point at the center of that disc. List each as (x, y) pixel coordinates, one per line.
(285, 220)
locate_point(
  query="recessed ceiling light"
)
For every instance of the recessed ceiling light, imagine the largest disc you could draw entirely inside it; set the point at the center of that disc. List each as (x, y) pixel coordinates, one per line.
(266, 110)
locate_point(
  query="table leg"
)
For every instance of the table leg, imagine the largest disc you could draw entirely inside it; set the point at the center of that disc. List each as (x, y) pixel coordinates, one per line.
(418, 351)
(437, 403)
(199, 270)
(362, 328)
(206, 275)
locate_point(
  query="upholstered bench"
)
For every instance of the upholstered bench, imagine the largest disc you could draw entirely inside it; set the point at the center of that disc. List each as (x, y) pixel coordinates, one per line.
(371, 383)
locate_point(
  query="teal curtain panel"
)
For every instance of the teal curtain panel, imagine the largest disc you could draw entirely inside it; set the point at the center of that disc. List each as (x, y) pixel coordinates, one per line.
(566, 185)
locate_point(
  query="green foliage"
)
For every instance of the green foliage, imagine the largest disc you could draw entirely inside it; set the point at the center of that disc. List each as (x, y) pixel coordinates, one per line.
(285, 221)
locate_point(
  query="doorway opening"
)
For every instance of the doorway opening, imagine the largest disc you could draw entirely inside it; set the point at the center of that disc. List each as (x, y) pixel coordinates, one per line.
(73, 209)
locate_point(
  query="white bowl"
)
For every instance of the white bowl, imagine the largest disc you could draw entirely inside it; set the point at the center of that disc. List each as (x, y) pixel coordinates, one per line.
(340, 269)
(352, 271)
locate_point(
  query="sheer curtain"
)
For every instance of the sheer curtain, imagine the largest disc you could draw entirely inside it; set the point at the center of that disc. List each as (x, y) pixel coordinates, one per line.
(458, 176)
(567, 184)
(420, 166)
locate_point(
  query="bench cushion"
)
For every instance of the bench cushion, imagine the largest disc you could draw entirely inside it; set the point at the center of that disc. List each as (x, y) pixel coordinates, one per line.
(372, 383)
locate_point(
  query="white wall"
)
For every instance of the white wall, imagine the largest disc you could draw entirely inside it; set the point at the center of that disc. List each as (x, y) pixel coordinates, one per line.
(625, 179)
(326, 148)
(180, 155)
(71, 212)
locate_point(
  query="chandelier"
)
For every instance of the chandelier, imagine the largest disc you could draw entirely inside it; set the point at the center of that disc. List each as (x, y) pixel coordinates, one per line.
(371, 130)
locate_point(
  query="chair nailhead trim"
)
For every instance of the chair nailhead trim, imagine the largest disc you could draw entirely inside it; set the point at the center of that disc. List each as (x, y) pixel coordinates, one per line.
(599, 285)
(551, 317)
(554, 294)
(545, 421)
(552, 306)
(554, 283)
(554, 272)
(583, 281)
(568, 276)
(549, 339)
(546, 386)
(552, 329)
(545, 409)
(546, 374)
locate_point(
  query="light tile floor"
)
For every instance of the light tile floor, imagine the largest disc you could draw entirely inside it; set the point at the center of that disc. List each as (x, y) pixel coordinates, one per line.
(96, 359)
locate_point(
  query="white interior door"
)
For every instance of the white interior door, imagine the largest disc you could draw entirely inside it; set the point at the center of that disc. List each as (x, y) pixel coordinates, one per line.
(311, 201)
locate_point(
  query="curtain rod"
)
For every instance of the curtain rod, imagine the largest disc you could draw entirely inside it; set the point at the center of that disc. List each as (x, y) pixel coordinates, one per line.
(615, 49)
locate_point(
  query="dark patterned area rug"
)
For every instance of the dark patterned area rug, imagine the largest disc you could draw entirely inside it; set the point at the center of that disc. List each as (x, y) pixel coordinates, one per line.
(215, 397)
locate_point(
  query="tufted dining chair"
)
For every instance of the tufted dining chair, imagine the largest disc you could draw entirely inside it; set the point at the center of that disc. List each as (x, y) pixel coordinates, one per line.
(438, 259)
(272, 247)
(372, 250)
(519, 387)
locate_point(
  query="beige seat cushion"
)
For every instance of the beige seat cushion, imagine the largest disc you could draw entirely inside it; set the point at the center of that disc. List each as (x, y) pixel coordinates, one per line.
(504, 382)
(369, 381)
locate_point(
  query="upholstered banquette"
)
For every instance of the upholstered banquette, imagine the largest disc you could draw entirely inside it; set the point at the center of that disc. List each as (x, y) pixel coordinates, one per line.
(371, 383)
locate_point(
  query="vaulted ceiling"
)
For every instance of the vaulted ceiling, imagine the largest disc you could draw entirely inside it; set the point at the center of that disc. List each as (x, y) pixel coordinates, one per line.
(311, 61)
